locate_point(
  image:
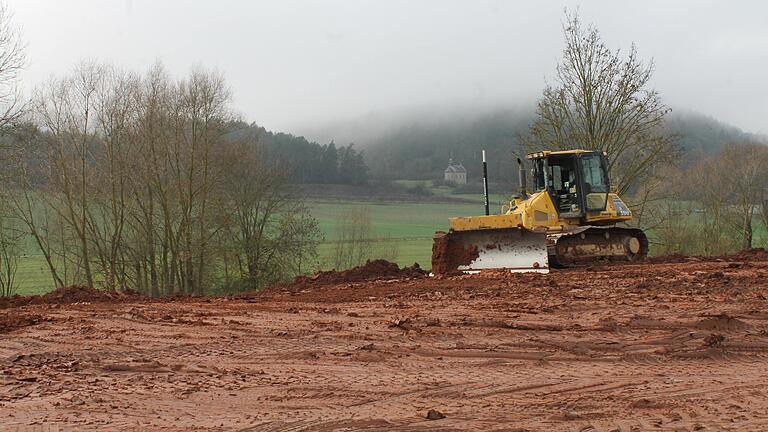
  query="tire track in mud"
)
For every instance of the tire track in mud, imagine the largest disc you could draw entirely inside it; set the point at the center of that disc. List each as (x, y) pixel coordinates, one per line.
(348, 425)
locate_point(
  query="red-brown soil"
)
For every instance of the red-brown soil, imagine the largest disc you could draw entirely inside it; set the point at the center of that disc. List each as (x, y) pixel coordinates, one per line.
(67, 295)
(635, 347)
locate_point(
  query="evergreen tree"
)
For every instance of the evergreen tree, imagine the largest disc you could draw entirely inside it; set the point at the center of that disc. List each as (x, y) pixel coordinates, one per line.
(329, 164)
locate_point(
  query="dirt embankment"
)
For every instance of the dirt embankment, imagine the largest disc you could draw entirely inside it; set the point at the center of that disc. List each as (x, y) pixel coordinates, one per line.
(12, 319)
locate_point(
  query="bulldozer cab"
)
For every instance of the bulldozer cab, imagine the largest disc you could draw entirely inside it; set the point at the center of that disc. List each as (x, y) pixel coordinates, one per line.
(576, 180)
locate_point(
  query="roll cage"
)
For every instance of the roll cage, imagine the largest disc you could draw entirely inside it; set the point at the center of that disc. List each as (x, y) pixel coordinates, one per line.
(577, 182)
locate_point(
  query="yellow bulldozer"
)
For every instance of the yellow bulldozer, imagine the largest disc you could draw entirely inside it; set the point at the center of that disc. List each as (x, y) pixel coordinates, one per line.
(570, 217)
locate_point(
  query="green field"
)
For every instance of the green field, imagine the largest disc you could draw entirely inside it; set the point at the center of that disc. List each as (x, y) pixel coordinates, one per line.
(408, 225)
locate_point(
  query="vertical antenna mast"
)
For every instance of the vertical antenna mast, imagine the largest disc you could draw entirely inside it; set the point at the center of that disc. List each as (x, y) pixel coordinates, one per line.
(485, 185)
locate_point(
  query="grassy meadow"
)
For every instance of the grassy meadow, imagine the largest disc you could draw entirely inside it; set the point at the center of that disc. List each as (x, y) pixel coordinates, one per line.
(404, 229)
(409, 225)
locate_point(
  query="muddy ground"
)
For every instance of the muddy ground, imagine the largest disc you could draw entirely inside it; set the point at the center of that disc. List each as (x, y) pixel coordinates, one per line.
(664, 346)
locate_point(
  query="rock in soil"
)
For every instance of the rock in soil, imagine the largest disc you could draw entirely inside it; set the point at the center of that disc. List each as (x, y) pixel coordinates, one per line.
(434, 414)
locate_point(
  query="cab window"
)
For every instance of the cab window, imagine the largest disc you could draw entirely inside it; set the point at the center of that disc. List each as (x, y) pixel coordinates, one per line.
(595, 175)
(562, 184)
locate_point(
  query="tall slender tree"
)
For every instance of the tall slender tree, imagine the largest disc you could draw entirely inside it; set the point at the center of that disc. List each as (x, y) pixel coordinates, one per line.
(602, 100)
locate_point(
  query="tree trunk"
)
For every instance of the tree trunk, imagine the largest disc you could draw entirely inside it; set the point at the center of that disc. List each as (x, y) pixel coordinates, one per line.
(747, 233)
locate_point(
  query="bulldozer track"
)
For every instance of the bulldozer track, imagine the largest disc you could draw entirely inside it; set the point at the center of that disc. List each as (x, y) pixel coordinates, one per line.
(595, 244)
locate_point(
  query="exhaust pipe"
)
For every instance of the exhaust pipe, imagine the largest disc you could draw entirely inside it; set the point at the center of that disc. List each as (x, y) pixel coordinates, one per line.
(522, 179)
(485, 185)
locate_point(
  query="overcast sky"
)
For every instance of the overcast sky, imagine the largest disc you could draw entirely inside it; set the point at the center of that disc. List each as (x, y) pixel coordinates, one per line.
(294, 64)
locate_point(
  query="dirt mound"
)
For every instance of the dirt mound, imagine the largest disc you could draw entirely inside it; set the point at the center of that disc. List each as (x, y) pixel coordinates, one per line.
(668, 259)
(74, 294)
(376, 269)
(68, 295)
(754, 254)
(372, 270)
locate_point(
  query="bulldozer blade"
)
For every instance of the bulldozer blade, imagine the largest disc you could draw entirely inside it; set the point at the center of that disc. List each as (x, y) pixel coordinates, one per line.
(513, 249)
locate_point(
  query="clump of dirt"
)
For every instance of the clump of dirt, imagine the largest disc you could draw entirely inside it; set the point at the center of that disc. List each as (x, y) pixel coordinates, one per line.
(434, 414)
(372, 270)
(68, 295)
(11, 321)
(714, 340)
(448, 255)
(403, 324)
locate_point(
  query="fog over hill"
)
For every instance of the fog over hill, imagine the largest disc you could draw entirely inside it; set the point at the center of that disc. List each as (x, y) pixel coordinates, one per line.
(370, 128)
(417, 142)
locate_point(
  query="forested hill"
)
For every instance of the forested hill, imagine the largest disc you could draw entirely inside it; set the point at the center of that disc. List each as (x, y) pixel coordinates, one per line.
(421, 149)
(308, 161)
(698, 133)
(418, 147)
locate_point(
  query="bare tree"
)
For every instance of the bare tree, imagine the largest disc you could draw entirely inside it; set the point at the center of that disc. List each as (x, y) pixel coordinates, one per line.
(154, 218)
(66, 111)
(205, 98)
(29, 208)
(114, 108)
(9, 255)
(723, 192)
(356, 242)
(22, 195)
(705, 184)
(744, 171)
(765, 204)
(602, 101)
(276, 237)
(13, 59)
(674, 233)
(354, 239)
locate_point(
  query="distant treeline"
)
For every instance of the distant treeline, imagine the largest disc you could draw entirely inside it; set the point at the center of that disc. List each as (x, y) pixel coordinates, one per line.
(308, 162)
